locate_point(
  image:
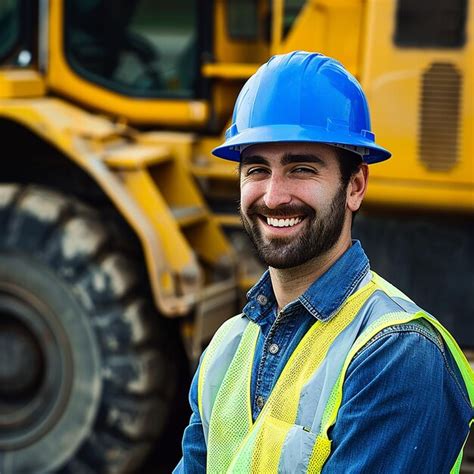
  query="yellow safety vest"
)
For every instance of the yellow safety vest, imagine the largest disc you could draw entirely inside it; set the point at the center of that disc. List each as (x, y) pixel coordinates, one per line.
(237, 444)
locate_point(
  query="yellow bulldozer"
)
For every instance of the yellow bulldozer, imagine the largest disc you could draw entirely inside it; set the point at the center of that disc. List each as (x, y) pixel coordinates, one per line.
(121, 249)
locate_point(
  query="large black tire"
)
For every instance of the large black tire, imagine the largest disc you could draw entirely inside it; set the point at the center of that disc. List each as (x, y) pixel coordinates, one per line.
(87, 367)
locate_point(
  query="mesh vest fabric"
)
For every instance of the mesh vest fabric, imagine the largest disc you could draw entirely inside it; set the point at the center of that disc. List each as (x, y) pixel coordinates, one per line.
(274, 441)
(216, 361)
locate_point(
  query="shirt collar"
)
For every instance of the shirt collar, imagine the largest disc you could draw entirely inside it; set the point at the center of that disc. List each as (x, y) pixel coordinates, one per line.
(324, 297)
(260, 298)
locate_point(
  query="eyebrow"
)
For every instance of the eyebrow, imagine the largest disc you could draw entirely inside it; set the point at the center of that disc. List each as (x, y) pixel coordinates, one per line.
(287, 159)
(253, 160)
(290, 158)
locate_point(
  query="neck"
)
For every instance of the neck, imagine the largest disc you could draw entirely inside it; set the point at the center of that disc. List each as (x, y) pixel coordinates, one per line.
(289, 283)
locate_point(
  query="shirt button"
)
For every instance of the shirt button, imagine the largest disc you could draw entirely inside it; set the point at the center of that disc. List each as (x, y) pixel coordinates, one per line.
(262, 299)
(260, 402)
(273, 348)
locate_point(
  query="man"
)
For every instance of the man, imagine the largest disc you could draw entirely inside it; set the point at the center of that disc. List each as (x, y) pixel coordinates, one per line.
(329, 367)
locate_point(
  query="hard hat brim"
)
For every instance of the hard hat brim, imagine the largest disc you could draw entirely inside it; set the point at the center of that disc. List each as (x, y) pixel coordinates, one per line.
(231, 150)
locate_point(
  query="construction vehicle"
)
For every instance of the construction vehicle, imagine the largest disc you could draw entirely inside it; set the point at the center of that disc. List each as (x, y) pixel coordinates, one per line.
(120, 242)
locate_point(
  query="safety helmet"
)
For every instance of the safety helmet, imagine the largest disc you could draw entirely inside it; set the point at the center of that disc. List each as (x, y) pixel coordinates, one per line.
(302, 97)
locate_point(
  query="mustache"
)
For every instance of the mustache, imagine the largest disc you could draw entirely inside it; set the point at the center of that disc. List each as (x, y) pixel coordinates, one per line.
(281, 211)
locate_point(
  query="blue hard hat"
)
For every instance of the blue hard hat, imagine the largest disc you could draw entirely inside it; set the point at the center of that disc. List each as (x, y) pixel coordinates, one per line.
(302, 97)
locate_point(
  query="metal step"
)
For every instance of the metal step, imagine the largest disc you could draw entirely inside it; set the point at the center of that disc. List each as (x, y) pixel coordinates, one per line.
(229, 220)
(215, 170)
(189, 215)
(133, 156)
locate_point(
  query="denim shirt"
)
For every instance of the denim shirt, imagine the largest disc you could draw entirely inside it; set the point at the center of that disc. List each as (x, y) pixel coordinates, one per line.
(399, 413)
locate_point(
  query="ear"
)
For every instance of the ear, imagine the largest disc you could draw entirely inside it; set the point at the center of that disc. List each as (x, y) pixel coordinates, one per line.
(357, 187)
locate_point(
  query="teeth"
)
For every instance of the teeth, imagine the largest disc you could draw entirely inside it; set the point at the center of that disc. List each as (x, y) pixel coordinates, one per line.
(283, 222)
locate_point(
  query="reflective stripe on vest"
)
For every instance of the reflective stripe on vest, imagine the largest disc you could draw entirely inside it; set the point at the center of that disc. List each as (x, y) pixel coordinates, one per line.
(290, 434)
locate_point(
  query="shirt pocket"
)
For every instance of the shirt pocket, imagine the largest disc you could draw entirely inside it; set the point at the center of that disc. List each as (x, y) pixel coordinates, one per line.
(297, 450)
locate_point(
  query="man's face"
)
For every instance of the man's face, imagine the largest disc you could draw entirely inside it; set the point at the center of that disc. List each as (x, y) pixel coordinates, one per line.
(293, 205)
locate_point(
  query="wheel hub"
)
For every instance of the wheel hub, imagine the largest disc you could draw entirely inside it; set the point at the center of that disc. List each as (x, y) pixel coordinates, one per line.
(21, 360)
(34, 366)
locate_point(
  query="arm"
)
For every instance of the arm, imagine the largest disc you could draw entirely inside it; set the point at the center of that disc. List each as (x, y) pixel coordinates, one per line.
(193, 445)
(403, 408)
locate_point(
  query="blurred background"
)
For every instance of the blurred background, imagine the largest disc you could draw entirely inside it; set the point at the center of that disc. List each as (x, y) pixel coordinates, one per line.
(121, 249)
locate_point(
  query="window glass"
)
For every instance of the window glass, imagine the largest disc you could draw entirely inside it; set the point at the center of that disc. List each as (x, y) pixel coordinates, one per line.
(431, 23)
(10, 26)
(146, 48)
(292, 10)
(242, 19)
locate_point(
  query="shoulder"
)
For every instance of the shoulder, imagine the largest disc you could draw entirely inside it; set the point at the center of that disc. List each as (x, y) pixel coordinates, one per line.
(414, 342)
(413, 356)
(231, 327)
(224, 343)
(415, 329)
(388, 311)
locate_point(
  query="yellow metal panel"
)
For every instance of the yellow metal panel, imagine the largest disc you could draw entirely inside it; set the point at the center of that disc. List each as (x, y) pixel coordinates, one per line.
(246, 282)
(206, 144)
(277, 25)
(205, 237)
(227, 49)
(54, 116)
(137, 156)
(167, 138)
(209, 242)
(234, 59)
(146, 194)
(174, 182)
(223, 98)
(332, 27)
(205, 165)
(177, 185)
(391, 76)
(189, 215)
(21, 83)
(229, 70)
(61, 78)
(229, 220)
(214, 169)
(417, 195)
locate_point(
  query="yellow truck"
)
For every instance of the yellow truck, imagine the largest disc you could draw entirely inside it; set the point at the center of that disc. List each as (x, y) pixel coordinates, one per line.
(120, 244)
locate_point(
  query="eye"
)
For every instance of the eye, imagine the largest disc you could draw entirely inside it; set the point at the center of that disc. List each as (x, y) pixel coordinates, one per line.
(256, 170)
(304, 169)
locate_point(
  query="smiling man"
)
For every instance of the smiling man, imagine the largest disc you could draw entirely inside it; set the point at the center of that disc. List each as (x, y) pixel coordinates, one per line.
(329, 367)
(293, 202)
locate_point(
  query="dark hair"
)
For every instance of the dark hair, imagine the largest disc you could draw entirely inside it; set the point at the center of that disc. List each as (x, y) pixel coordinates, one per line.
(349, 163)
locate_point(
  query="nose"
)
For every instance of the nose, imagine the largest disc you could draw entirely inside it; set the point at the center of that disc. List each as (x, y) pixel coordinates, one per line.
(276, 192)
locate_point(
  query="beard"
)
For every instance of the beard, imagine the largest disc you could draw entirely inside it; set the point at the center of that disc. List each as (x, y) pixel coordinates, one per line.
(320, 233)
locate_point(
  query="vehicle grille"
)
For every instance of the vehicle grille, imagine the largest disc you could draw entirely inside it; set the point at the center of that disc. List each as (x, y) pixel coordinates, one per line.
(440, 117)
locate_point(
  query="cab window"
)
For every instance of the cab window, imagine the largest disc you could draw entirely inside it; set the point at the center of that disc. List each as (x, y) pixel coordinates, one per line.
(144, 48)
(292, 9)
(431, 23)
(242, 19)
(10, 27)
